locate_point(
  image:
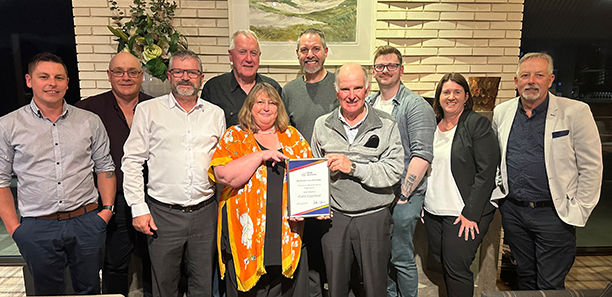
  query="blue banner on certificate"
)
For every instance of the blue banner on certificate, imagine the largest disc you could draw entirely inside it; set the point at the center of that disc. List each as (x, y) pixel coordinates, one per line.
(308, 181)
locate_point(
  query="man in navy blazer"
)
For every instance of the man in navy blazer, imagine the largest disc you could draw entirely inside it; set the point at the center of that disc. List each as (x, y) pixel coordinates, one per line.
(551, 173)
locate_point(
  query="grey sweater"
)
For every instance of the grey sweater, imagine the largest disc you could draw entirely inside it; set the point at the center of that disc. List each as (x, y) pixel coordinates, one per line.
(377, 153)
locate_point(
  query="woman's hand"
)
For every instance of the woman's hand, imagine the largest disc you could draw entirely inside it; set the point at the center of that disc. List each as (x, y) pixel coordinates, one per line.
(467, 226)
(272, 155)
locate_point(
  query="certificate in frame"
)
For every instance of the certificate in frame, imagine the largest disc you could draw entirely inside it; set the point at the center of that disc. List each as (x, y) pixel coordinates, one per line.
(308, 187)
(357, 44)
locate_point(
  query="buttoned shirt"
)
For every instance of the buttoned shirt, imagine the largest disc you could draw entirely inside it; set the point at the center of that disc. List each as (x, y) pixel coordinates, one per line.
(417, 123)
(177, 146)
(53, 161)
(106, 107)
(225, 92)
(527, 177)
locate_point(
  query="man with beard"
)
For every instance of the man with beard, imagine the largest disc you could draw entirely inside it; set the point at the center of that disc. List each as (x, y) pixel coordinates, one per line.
(312, 95)
(116, 110)
(417, 124)
(551, 171)
(176, 135)
(306, 98)
(229, 90)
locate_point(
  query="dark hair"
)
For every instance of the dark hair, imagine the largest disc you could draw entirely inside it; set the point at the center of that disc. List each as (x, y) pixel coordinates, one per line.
(245, 116)
(313, 31)
(459, 79)
(45, 57)
(387, 49)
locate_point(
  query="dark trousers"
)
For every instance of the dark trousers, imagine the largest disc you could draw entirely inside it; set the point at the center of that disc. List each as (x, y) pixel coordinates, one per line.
(49, 246)
(543, 246)
(188, 236)
(454, 252)
(366, 239)
(121, 241)
(273, 283)
(313, 231)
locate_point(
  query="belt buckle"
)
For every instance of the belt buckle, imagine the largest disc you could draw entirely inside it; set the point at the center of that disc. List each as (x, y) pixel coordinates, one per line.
(187, 209)
(532, 205)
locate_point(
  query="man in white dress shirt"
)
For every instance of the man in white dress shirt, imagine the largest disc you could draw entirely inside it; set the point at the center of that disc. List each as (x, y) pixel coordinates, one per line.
(175, 135)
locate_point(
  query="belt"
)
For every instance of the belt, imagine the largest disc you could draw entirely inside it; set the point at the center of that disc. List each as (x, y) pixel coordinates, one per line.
(189, 208)
(531, 204)
(66, 215)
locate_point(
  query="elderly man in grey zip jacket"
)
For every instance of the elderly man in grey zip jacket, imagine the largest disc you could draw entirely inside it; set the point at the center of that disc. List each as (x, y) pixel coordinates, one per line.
(365, 156)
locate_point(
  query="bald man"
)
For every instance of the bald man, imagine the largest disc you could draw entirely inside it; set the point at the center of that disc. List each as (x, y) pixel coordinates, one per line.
(116, 109)
(365, 156)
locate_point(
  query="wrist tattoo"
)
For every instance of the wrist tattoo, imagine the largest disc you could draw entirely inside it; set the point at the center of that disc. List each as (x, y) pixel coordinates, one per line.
(408, 184)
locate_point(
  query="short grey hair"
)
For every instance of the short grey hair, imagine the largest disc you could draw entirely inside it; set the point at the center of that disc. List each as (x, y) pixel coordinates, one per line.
(182, 55)
(244, 32)
(312, 31)
(366, 80)
(530, 56)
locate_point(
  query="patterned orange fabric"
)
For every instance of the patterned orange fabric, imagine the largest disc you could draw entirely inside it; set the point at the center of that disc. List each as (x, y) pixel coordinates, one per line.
(246, 207)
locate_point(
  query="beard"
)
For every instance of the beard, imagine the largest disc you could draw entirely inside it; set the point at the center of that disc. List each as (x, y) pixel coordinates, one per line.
(182, 92)
(312, 69)
(530, 97)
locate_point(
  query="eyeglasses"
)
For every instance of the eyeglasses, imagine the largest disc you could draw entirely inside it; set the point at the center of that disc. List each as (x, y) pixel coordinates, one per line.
(131, 73)
(193, 73)
(390, 67)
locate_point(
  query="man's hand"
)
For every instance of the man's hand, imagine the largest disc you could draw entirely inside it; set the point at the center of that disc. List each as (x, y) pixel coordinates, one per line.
(338, 162)
(106, 215)
(144, 224)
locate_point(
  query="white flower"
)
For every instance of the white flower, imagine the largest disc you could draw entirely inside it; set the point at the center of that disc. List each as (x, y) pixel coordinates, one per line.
(247, 230)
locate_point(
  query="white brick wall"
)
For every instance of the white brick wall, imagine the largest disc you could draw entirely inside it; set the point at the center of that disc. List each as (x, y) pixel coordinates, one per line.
(473, 37)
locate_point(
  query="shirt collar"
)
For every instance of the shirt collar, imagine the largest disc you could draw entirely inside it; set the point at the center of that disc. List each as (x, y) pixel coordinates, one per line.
(172, 103)
(234, 85)
(344, 122)
(540, 109)
(39, 114)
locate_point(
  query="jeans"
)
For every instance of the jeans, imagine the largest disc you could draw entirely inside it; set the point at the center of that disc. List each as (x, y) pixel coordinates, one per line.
(403, 275)
(48, 246)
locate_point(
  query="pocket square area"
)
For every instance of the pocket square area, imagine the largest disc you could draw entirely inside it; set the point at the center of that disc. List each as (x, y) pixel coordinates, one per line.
(560, 133)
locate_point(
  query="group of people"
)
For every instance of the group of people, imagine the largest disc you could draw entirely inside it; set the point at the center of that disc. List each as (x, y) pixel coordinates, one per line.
(197, 186)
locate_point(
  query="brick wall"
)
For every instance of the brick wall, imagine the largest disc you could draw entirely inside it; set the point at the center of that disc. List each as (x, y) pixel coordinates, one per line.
(473, 37)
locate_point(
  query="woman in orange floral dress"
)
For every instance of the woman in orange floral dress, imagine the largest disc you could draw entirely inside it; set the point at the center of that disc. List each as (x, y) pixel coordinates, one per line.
(260, 247)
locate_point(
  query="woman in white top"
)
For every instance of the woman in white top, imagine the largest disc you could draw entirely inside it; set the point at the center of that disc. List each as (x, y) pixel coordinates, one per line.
(457, 202)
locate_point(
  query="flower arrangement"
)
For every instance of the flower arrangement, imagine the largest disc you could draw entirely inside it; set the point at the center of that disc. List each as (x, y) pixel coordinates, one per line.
(150, 36)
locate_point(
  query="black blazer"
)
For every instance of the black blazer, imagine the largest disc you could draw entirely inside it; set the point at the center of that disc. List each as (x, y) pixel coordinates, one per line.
(474, 160)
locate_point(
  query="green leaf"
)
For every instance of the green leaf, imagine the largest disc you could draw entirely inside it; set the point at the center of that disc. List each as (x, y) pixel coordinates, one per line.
(173, 42)
(118, 33)
(149, 40)
(158, 68)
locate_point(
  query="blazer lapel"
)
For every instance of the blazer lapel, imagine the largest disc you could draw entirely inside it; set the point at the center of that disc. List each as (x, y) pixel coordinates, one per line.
(549, 127)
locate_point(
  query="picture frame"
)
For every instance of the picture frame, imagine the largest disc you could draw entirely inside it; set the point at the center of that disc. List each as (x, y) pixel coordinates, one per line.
(284, 52)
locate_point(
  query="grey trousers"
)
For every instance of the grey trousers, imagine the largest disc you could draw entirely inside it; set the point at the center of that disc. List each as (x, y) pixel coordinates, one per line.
(366, 239)
(188, 235)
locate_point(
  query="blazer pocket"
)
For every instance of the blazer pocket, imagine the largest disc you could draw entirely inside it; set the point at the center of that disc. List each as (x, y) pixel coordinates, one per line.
(561, 133)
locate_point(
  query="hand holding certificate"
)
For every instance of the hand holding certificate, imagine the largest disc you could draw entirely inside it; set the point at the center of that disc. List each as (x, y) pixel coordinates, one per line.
(308, 188)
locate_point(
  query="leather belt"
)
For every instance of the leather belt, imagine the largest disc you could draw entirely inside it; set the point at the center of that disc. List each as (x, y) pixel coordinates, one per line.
(65, 215)
(531, 204)
(189, 208)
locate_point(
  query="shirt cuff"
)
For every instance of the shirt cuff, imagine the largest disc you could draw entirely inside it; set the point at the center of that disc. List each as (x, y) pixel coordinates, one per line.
(140, 209)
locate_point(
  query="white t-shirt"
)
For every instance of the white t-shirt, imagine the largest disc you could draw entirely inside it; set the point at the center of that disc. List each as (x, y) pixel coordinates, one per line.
(384, 105)
(442, 197)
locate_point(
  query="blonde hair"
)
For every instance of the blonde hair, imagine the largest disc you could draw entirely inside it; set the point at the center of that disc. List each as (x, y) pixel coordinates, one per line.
(245, 116)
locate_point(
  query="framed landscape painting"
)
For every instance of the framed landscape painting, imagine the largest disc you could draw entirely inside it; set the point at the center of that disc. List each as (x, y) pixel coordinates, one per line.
(348, 26)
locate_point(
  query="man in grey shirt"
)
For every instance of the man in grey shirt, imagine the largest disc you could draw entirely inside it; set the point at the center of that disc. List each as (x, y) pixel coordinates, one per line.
(310, 96)
(417, 124)
(52, 148)
(306, 98)
(364, 154)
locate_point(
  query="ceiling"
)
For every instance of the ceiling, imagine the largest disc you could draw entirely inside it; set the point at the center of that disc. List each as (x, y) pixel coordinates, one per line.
(567, 19)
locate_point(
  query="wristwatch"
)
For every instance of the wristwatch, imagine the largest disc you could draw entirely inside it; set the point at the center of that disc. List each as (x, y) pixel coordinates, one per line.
(109, 207)
(353, 166)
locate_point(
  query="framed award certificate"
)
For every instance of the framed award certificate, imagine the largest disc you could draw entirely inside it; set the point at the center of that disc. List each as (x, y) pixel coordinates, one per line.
(308, 187)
